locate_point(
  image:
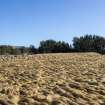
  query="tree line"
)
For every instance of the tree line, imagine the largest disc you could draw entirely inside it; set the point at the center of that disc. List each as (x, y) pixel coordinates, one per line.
(86, 43)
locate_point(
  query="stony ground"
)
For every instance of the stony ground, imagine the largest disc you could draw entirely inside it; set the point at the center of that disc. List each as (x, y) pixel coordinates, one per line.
(52, 79)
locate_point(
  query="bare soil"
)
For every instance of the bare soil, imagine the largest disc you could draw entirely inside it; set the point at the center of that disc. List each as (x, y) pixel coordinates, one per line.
(52, 79)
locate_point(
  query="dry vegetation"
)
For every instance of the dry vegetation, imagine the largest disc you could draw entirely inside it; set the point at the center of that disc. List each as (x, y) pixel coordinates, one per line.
(52, 79)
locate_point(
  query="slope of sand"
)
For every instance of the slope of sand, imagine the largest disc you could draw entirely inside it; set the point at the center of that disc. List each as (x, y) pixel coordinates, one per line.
(52, 79)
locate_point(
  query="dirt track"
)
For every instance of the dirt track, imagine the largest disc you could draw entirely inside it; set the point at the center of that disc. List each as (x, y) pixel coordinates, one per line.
(52, 79)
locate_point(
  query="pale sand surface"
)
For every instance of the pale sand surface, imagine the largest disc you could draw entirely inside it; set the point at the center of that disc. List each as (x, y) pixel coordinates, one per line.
(52, 79)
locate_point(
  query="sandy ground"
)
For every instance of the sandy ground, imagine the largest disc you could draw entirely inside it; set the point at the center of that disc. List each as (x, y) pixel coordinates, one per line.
(52, 79)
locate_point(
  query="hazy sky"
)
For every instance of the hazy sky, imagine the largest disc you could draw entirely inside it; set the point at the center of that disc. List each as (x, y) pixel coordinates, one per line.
(25, 22)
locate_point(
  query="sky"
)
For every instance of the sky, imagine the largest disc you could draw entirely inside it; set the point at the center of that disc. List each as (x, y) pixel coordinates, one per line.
(27, 22)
